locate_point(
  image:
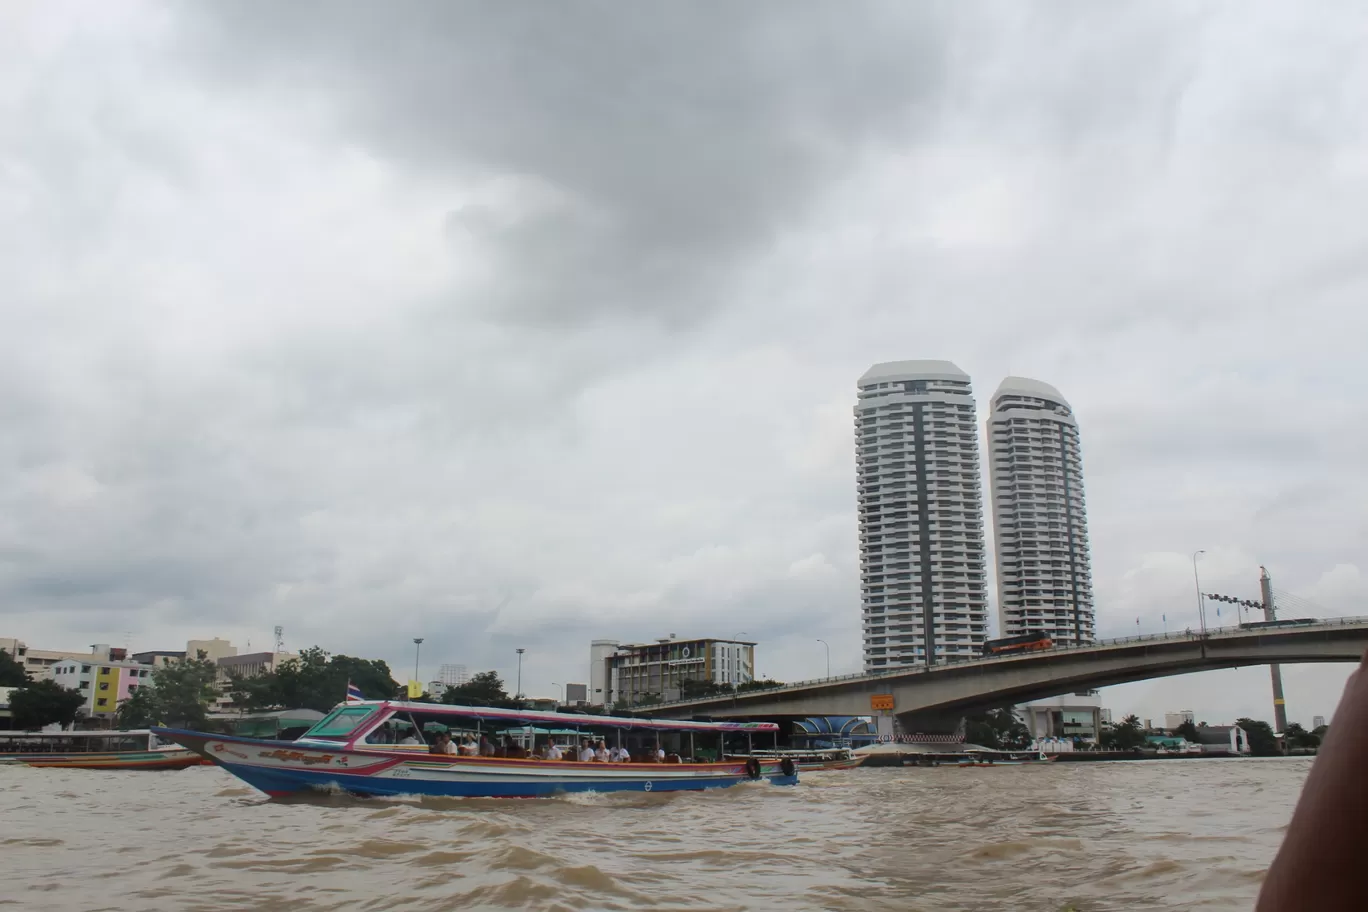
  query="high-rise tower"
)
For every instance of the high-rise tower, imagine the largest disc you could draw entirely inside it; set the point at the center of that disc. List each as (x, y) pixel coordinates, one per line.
(1040, 522)
(921, 515)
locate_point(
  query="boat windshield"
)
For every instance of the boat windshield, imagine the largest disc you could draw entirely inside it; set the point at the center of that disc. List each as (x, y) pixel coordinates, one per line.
(340, 722)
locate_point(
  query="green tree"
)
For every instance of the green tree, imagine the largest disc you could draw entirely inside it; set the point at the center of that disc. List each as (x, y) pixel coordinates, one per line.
(141, 710)
(1188, 732)
(12, 673)
(485, 688)
(184, 691)
(314, 680)
(997, 729)
(1262, 741)
(43, 703)
(1299, 738)
(693, 690)
(765, 684)
(1124, 735)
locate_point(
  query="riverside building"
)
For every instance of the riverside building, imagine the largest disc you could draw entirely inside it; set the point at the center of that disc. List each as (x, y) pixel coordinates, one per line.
(922, 585)
(1044, 567)
(661, 671)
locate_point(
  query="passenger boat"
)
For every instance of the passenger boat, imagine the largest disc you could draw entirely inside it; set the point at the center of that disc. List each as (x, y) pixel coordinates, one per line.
(383, 747)
(812, 760)
(138, 749)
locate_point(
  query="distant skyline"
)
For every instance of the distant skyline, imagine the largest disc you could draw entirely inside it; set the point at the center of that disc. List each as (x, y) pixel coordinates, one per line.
(540, 326)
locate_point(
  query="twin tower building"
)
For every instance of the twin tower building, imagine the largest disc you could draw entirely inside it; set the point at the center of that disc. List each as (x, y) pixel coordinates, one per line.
(923, 570)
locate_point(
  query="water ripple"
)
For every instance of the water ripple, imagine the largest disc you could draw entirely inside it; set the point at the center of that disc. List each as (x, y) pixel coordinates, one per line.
(1086, 837)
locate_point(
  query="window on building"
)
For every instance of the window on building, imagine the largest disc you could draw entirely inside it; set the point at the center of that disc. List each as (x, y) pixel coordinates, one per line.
(85, 669)
(104, 685)
(102, 701)
(85, 685)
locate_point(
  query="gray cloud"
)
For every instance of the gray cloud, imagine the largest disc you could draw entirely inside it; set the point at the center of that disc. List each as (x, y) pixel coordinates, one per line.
(512, 328)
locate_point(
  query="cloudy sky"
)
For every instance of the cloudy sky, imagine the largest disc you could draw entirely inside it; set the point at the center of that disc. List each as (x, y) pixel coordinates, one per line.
(522, 325)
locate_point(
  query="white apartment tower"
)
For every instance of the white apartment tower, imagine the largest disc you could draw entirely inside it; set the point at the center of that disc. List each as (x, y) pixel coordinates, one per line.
(921, 515)
(1040, 522)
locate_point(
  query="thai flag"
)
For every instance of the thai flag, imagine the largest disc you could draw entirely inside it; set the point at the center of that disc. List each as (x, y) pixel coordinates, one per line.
(354, 694)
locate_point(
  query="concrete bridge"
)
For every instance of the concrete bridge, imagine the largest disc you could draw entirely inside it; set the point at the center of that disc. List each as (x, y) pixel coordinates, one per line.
(935, 699)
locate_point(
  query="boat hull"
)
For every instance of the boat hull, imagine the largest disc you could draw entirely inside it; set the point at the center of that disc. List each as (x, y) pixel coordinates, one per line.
(126, 760)
(282, 768)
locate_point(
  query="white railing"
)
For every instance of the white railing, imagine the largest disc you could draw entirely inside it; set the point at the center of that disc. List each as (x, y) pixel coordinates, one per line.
(1095, 645)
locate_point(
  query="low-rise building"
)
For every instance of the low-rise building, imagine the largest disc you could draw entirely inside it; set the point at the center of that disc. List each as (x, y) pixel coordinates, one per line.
(1075, 715)
(37, 662)
(1317, 722)
(1223, 739)
(213, 650)
(664, 669)
(1174, 719)
(103, 678)
(576, 694)
(251, 665)
(158, 658)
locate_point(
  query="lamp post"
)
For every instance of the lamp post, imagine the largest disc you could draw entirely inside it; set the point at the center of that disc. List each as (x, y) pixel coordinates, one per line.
(417, 649)
(562, 691)
(739, 635)
(521, 650)
(1201, 605)
(828, 650)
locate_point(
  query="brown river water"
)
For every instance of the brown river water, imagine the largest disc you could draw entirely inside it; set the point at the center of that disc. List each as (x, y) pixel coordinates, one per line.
(1194, 834)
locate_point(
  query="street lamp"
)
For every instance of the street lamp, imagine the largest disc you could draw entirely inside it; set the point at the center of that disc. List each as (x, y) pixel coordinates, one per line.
(828, 649)
(520, 655)
(739, 635)
(1201, 606)
(417, 648)
(562, 691)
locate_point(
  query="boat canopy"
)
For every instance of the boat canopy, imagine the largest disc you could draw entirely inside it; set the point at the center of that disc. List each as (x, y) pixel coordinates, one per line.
(559, 720)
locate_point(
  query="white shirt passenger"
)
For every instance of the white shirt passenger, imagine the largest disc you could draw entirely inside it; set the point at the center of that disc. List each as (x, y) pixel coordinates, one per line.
(586, 755)
(601, 755)
(553, 753)
(660, 754)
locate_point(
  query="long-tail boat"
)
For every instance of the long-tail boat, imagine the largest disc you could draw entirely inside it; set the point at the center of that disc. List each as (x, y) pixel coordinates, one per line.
(137, 749)
(382, 747)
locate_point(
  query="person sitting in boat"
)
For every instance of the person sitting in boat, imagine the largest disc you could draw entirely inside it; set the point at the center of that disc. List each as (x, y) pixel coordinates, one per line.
(659, 754)
(410, 738)
(552, 752)
(486, 747)
(601, 753)
(468, 746)
(441, 744)
(617, 754)
(586, 753)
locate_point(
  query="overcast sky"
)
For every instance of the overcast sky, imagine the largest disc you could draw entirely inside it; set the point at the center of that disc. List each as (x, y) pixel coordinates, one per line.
(526, 324)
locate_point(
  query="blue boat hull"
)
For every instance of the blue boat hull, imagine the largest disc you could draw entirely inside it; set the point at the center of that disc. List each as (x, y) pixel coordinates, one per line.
(281, 768)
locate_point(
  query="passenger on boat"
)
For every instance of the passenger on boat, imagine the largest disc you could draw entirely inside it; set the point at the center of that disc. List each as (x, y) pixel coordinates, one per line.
(586, 753)
(468, 746)
(618, 754)
(441, 744)
(659, 754)
(601, 753)
(486, 747)
(410, 739)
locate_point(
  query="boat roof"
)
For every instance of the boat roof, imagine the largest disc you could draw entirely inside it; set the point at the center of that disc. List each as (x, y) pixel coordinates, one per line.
(537, 717)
